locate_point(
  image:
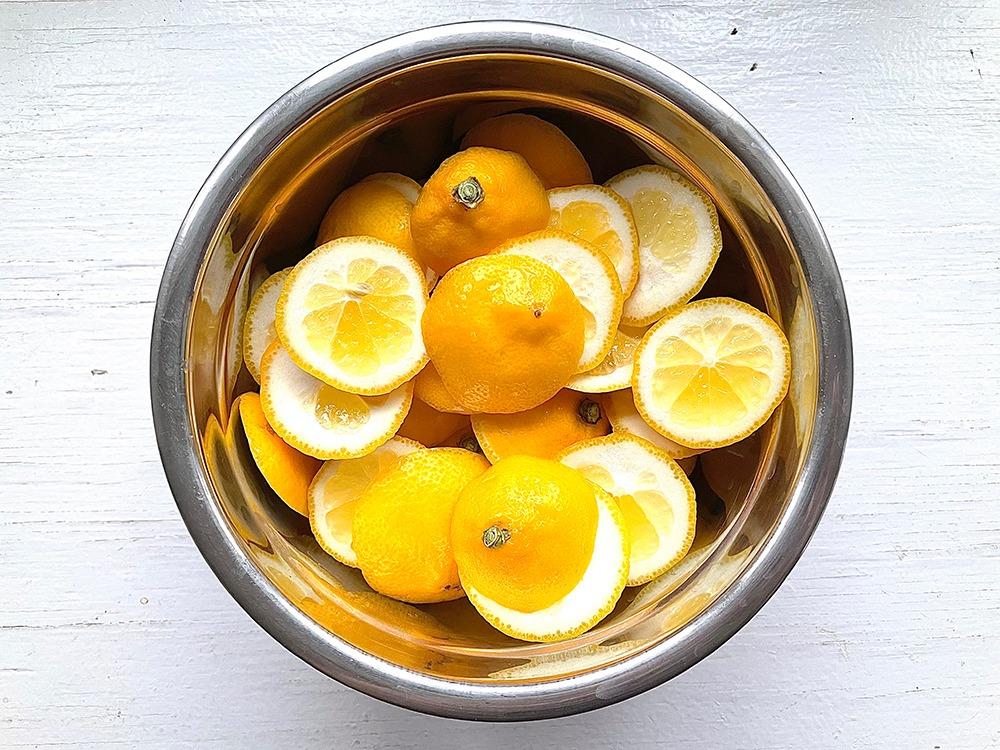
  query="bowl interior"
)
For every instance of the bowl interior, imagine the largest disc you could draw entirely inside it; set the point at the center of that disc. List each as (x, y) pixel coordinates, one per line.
(407, 121)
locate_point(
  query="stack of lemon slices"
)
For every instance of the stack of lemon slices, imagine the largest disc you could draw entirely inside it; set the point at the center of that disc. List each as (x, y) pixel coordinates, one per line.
(494, 385)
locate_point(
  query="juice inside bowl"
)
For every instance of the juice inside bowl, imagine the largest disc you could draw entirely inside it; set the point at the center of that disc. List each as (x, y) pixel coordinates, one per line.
(274, 225)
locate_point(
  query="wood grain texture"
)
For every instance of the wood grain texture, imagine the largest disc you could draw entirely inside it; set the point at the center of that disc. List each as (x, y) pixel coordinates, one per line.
(113, 631)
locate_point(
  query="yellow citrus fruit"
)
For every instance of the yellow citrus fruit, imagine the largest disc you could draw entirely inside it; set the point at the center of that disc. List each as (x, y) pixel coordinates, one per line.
(679, 240)
(349, 314)
(371, 208)
(258, 324)
(287, 471)
(615, 372)
(566, 418)
(505, 333)
(428, 426)
(405, 186)
(625, 418)
(552, 156)
(402, 522)
(542, 552)
(711, 373)
(592, 278)
(600, 216)
(321, 420)
(475, 201)
(654, 495)
(430, 388)
(334, 492)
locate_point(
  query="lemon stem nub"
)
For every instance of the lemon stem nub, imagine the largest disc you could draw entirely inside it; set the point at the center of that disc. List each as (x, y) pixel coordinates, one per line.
(589, 411)
(495, 537)
(468, 192)
(470, 444)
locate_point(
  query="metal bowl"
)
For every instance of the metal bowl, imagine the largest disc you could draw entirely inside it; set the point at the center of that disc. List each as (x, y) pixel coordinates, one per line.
(401, 105)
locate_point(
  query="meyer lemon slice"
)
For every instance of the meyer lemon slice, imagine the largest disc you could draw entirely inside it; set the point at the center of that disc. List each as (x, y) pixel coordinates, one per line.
(405, 186)
(654, 495)
(542, 552)
(349, 314)
(615, 371)
(335, 490)
(679, 240)
(625, 418)
(600, 216)
(711, 373)
(258, 324)
(321, 420)
(591, 276)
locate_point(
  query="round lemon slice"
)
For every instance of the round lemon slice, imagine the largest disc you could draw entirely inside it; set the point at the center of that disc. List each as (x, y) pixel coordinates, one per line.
(625, 418)
(334, 492)
(323, 421)
(679, 240)
(258, 325)
(598, 215)
(542, 553)
(615, 371)
(591, 276)
(349, 314)
(711, 373)
(654, 495)
(405, 186)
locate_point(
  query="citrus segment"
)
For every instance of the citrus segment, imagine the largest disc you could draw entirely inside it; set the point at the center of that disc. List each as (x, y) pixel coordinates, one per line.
(592, 278)
(321, 420)
(679, 240)
(549, 153)
(402, 525)
(653, 492)
(615, 370)
(566, 418)
(505, 333)
(711, 373)
(625, 418)
(258, 325)
(601, 217)
(349, 314)
(286, 470)
(476, 200)
(334, 492)
(541, 551)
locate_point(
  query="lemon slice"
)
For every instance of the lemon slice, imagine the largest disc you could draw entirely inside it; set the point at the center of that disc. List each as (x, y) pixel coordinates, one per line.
(625, 418)
(321, 420)
(615, 371)
(592, 278)
(653, 492)
(335, 490)
(542, 552)
(349, 314)
(598, 215)
(405, 186)
(711, 373)
(679, 240)
(258, 325)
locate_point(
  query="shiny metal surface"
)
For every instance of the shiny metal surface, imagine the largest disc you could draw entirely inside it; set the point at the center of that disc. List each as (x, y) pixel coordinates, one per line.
(401, 104)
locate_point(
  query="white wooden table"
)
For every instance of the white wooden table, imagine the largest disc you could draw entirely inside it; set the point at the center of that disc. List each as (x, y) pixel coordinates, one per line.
(114, 632)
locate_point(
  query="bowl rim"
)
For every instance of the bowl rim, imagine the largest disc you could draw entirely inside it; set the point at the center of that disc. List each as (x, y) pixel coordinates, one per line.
(378, 678)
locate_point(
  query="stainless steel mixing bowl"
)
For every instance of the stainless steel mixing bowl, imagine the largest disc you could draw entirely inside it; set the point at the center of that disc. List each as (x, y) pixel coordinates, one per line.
(401, 105)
